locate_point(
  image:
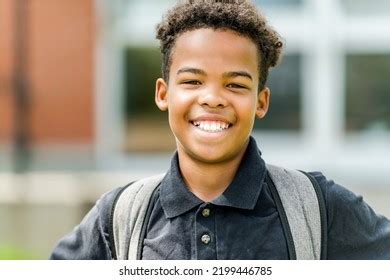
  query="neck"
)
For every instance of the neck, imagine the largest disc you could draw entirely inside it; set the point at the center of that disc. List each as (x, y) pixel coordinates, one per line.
(208, 180)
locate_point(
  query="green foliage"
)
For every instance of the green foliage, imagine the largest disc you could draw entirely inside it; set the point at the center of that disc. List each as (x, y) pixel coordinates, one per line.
(10, 252)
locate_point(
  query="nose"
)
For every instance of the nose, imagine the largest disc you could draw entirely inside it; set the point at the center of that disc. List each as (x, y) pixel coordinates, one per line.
(213, 98)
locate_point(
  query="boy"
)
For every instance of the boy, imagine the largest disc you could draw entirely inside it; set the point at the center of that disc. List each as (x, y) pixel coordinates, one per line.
(215, 201)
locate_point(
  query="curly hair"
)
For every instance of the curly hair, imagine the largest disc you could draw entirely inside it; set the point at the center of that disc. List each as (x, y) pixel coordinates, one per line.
(240, 16)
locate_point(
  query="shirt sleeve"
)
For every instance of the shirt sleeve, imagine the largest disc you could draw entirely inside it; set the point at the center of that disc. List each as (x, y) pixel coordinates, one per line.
(355, 231)
(90, 239)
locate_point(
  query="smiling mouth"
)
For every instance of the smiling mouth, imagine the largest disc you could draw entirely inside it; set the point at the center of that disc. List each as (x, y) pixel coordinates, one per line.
(211, 126)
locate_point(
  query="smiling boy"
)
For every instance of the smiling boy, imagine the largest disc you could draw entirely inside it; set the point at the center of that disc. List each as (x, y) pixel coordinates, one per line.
(212, 99)
(216, 200)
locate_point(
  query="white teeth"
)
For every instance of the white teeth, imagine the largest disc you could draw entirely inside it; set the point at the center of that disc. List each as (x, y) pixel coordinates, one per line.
(211, 126)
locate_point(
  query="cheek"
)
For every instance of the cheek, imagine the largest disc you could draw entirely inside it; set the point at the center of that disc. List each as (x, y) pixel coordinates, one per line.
(180, 101)
(247, 108)
(178, 106)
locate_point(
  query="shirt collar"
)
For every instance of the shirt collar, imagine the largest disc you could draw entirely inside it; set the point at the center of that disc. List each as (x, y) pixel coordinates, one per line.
(243, 191)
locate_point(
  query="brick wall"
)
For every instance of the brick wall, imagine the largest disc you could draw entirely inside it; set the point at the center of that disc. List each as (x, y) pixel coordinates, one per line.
(59, 65)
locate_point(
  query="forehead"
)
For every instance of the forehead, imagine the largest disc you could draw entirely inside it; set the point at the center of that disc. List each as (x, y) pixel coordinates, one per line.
(221, 49)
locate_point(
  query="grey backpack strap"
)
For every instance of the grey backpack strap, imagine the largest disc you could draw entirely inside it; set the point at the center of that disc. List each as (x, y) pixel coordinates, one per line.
(129, 213)
(301, 207)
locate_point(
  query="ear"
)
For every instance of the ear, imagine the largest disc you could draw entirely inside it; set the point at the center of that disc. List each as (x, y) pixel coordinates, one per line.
(262, 102)
(161, 94)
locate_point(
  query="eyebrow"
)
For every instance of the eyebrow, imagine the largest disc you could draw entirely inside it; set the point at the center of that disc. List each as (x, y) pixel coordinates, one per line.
(231, 74)
(191, 70)
(238, 74)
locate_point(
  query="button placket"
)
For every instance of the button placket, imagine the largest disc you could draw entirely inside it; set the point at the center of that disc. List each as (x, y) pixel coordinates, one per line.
(205, 238)
(204, 232)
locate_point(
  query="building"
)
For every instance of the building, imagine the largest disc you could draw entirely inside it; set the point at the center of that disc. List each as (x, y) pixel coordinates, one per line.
(87, 122)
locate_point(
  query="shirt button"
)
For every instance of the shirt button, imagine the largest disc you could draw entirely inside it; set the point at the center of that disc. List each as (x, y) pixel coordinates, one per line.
(206, 212)
(205, 239)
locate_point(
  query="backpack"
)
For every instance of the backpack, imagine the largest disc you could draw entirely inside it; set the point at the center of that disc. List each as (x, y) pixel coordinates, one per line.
(297, 195)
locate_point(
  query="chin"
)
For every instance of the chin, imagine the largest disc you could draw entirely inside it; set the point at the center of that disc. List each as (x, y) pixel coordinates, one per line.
(212, 156)
(209, 153)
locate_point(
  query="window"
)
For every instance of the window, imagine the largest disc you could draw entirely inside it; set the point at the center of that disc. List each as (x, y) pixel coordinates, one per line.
(367, 92)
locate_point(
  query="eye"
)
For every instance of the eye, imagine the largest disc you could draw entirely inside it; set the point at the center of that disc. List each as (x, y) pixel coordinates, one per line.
(236, 86)
(192, 82)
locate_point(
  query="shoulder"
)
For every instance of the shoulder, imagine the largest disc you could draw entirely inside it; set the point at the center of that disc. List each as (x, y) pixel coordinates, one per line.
(90, 238)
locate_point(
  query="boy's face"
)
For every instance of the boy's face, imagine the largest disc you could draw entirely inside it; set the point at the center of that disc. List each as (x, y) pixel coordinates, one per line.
(212, 97)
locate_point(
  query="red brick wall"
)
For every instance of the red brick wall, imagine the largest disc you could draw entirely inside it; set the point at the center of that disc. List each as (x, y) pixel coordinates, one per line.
(60, 70)
(6, 63)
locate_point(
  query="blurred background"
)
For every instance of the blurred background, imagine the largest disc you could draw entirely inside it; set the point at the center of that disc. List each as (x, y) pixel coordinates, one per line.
(77, 113)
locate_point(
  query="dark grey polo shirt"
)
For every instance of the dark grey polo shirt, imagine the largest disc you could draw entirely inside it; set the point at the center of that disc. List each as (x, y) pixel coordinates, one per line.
(242, 223)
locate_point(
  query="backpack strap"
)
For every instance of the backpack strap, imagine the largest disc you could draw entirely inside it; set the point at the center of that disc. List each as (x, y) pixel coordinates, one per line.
(323, 213)
(302, 211)
(129, 213)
